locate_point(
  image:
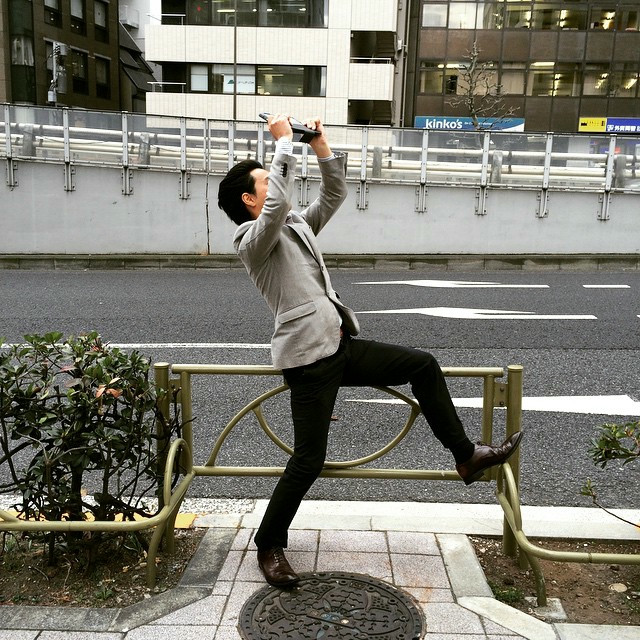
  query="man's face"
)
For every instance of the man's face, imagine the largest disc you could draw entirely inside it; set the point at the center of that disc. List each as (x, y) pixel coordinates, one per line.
(261, 180)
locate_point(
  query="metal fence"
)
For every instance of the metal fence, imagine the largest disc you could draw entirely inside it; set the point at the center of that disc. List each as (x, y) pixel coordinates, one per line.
(580, 162)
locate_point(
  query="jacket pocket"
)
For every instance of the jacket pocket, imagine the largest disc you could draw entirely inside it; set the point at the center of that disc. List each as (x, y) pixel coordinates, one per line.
(297, 312)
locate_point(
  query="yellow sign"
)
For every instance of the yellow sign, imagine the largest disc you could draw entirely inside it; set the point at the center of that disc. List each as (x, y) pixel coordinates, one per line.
(592, 124)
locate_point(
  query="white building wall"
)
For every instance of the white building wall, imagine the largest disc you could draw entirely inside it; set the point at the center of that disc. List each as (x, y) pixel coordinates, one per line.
(373, 15)
(330, 47)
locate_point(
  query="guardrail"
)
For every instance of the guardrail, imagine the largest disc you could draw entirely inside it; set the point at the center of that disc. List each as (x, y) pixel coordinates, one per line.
(496, 393)
(163, 522)
(605, 163)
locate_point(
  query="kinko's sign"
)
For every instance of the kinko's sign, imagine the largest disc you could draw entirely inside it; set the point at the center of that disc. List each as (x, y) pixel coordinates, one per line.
(445, 123)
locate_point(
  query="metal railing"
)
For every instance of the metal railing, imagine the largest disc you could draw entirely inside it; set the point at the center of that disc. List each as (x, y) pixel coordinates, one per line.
(493, 159)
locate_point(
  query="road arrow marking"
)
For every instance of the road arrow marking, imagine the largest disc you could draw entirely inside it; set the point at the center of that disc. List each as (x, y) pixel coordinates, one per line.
(483, 314)
(459, 284)
(606, 286)
(603, 405)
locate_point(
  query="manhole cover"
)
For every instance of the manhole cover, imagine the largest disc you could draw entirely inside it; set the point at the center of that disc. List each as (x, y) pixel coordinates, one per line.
(328, 606)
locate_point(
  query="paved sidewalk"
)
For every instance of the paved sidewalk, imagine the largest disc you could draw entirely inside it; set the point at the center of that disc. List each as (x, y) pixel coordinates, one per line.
(422, 549)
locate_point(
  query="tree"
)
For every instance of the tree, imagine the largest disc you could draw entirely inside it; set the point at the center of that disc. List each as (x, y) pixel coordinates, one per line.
(479, 93)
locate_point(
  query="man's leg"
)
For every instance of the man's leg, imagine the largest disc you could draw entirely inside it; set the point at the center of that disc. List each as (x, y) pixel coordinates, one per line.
(374, 363)
(313, 394)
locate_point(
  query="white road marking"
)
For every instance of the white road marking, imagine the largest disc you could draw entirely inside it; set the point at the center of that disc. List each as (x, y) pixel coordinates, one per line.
(178, 345)
(459, 284)
(603, 405)
(484, 314)
(189, 345)
(606, 286)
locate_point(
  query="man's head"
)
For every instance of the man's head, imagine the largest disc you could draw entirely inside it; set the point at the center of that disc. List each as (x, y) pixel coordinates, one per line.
(243, 191)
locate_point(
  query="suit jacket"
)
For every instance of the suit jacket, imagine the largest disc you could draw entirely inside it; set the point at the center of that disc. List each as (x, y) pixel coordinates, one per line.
(280, 253)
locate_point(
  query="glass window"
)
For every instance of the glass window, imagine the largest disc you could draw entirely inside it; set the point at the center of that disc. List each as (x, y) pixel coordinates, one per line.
(101, 20)
(453, 81)
(512, 81)
(293, 13)
(199, 12)
(462, 15)
(199, 77)
(567, 80)
(52, 13)
(596, 80)
(78, 23)
(77, 9)
(100, 13)
(223, 12)
(79, 64)
(628, 18)
(103, 78)
(489, 16)
(545, 17)
(517, 14)
(431, 74)
(574, 18)
(624, 80)
(603, 17)
(222, 78)
(434, 15)
(22, 51)
(291, 81)
(540, 79)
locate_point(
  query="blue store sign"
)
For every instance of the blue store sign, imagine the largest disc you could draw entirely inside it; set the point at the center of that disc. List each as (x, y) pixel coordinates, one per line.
(623, 125)
(444, 123)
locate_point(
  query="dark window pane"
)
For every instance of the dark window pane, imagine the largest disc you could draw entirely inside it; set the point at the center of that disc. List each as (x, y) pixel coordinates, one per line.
(79, 65)
(293, 13)
(223, 12)
(517, 15)
(103, 78)
(291, 81)
(199, 12)
(603, 17)
(222, 78)
(174, 11)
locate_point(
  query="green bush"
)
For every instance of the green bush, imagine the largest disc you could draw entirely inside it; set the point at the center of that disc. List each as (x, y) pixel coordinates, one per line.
(614, 442)
(80, 409)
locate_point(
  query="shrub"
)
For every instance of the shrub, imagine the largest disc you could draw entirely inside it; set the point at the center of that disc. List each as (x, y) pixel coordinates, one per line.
(87, 413)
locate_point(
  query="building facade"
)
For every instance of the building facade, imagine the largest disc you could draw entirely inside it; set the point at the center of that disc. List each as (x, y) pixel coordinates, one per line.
(71, 53)
(552, 62)
(234, 59)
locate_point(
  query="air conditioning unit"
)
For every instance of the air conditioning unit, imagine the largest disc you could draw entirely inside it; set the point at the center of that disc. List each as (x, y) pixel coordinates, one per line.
(129, 17)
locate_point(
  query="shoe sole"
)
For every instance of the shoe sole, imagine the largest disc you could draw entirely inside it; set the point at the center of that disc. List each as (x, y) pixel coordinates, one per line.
(480, 473)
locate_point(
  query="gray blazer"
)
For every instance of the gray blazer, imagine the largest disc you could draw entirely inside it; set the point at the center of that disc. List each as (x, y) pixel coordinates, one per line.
(280, 253)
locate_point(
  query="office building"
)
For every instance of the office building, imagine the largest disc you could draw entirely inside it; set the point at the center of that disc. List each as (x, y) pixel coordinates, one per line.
(552, 62)
(228, 59)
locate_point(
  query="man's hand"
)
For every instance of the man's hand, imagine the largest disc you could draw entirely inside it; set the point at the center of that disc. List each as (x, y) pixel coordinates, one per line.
(319, 144)
(280, 127)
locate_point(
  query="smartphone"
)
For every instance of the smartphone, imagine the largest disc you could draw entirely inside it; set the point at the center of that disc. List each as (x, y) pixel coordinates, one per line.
(306, 134)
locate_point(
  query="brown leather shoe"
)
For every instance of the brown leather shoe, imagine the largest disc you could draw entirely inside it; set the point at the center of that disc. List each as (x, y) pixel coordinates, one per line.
(486, 456)
(277, 571)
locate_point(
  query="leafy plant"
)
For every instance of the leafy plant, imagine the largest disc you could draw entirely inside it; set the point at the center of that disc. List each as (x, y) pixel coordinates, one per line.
(85, 410)
(614, 442)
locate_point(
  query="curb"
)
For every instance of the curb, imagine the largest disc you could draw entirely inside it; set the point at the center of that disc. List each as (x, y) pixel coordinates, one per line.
(390, 262)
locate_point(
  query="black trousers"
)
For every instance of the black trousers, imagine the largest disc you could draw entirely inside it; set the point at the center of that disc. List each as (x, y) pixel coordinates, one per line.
(314, 388)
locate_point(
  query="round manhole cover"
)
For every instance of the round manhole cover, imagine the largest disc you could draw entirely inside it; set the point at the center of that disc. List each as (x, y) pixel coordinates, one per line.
(328, 606)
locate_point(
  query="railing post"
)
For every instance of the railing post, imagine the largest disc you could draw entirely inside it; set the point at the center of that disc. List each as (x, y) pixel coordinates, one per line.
(11, 165)
(543, 196)
(605, 197)
(127, 188)
(481, 194)
(187, 416)
(161, 372)
(69, 170)
(185, 174)
(421, 189)
(363, 189)
(514, 424)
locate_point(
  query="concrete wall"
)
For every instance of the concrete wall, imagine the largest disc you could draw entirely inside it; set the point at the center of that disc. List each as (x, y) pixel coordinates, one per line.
(39, 217)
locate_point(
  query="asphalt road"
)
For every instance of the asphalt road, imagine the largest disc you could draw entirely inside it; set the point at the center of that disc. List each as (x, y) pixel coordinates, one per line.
(173, 311)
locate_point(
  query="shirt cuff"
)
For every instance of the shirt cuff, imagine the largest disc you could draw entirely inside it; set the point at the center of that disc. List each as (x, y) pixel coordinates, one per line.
(284, 146)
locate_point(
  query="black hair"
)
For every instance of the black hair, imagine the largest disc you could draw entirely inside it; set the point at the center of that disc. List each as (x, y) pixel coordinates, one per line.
(237, 181)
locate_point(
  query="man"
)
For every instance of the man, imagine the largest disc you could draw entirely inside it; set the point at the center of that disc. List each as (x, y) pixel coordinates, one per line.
(314, 339)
